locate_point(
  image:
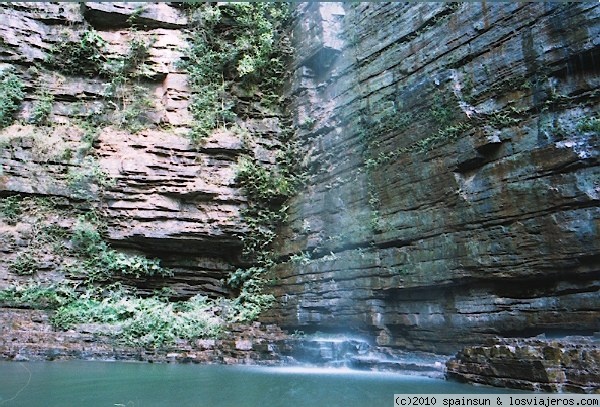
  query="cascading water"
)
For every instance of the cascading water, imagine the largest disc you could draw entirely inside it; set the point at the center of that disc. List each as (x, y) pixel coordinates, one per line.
(342, 351)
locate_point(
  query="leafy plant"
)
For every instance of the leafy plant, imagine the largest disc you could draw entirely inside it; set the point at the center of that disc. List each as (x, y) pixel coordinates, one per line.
(251, 299)
(101, 263)
(234, 43)
(301, 258)
(84, 56)
(136, 266)
(86, 239)
(37, 295)
(589, 124)
(149, 322)
(82, 180)
(42, 108)
(24, 264)
(125, 90)
(11, 96)
(262, 185)
(441, 111)
(10, 208)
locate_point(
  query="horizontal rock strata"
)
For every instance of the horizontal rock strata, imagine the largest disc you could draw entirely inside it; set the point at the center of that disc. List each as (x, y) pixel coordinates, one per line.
(164, 196)
(561, 365)
(453, 173)
(28, 335)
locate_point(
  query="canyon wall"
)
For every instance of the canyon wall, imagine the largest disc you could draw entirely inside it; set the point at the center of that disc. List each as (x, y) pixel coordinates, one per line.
(453, 187)
(450, 153)
(161, 194)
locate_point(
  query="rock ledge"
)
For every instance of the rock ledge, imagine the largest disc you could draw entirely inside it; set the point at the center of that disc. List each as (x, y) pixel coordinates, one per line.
(569, 364)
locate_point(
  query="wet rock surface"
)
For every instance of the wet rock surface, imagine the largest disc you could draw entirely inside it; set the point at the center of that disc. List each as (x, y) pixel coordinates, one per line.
(452, 195)
(27, 334)
(453, 187)
(331, 350)
(570, 364)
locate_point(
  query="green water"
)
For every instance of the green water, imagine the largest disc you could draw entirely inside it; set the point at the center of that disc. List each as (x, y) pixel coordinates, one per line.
(80, 383)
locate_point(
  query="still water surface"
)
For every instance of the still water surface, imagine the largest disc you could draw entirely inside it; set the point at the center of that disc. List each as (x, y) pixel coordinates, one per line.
(80, 383)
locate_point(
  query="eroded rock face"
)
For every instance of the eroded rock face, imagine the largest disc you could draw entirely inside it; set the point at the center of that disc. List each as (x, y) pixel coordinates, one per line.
(568, 365)
(28, 335)
(453, 173)
(163, 195)
(451, 153)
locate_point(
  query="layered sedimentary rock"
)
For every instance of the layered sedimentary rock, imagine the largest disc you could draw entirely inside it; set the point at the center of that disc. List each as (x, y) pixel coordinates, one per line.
(29, 335)
(453, 182)
(164, 196)
(568, 365)
(450, 149)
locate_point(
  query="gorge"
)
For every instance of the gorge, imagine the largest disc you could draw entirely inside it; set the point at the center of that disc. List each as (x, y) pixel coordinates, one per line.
(423, 176)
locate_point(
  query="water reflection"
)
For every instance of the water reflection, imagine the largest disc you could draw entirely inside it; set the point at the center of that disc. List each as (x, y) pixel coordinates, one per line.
(79, 383)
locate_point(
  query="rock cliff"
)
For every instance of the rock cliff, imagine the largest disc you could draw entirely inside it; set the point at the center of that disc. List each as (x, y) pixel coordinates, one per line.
(161, 194)
(450, 153)
(452, 158)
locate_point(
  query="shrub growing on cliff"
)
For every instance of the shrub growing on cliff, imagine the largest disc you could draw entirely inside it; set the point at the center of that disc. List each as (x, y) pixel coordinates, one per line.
(589, 124)
(24, 264)
(148, 322)
(124, 89)
(42, 108)
(251, 299)
(37, 295)
(101, 263)
(269, 187)
(11, 96)
(239, 43)
(82, 181)
(82, 57)
(10, 208)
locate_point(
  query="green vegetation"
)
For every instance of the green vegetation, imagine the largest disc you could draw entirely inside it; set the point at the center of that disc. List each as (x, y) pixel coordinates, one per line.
(441, 111)
(43, 238)
(25, 264)
(125, 90)
(149, 322)
(267, 187)
(42, 108)
(81, 180)
(37, 295)
(11, 96)
(89, 260)
(96, 261)
(589, 124)
(101, 263)
(85, 56)
(264, 186)
(91, 128)
(10, 208)
(301, 258)
(375, 204)
(251, 299)
(267, 190)
(234, 44)
(237, 55)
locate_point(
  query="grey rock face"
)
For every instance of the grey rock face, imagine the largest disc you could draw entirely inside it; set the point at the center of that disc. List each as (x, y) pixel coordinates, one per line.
(451, 151)
(569, 365)
(453, 189)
